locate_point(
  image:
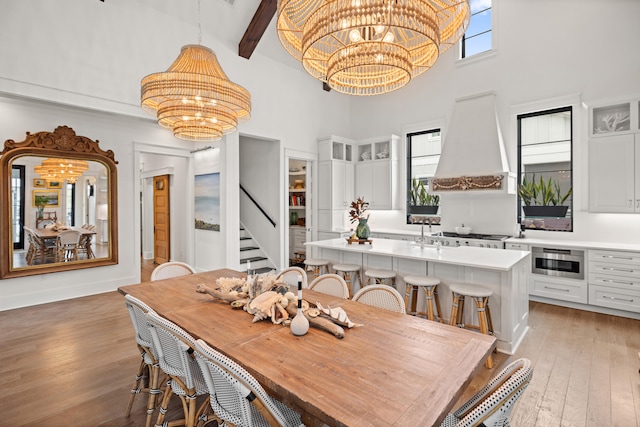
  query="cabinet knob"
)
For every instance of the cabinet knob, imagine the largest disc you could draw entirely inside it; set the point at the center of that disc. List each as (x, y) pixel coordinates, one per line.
(630, 203)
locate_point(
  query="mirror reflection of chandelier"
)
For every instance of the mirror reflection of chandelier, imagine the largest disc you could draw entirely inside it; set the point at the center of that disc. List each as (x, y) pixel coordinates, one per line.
(55, 169)
(369, 47)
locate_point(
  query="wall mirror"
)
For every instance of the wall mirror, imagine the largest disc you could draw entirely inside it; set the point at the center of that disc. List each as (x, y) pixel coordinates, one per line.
(59, 204)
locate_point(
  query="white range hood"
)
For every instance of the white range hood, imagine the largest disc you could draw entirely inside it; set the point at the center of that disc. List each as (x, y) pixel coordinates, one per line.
(473, 155)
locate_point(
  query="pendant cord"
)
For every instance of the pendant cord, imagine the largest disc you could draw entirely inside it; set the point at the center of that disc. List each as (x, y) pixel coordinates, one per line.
(199, 25)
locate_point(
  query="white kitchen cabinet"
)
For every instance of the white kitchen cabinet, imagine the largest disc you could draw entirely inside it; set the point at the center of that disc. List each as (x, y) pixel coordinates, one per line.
(376, 173)
(614, 173)
(614, 279)
(335, 148)
(335, 193)
(297, 239)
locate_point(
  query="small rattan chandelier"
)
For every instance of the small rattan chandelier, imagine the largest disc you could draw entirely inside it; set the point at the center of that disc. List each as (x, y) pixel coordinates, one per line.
(194, 97)
(369, 47)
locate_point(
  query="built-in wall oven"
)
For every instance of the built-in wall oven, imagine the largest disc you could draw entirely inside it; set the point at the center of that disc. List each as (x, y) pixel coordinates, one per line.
(558, 262)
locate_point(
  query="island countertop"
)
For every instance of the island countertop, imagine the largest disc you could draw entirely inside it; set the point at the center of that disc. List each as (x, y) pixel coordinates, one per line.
(493, 259)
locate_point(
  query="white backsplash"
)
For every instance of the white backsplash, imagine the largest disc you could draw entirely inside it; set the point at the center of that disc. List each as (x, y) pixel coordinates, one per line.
(496, 214)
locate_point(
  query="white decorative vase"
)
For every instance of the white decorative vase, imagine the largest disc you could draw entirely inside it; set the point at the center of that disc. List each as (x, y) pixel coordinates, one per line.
(299, 324)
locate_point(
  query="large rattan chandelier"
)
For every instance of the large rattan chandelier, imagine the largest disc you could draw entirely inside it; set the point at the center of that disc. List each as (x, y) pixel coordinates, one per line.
(194, 98)
(369, 47)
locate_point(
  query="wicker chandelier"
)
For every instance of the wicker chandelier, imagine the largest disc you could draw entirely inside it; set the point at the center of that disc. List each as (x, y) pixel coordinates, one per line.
(54, 169)
(369, 47)
(194, 98)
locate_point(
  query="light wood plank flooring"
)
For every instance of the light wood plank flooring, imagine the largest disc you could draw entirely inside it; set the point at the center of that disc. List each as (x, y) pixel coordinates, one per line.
(72, 363)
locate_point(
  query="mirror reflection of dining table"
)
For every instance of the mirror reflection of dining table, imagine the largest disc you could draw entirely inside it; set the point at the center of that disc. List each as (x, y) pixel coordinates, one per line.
(394, 370)
(49, 235)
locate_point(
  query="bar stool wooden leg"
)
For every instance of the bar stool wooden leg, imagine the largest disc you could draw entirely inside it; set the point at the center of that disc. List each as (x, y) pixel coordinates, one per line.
(481, 304)
(346, 275)
(457, 310)
(431, 293)
(454, 309)
(411, 299)
(436, 298)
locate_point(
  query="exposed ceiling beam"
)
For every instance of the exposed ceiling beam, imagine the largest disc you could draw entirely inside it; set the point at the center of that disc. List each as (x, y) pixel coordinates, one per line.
(257, 27)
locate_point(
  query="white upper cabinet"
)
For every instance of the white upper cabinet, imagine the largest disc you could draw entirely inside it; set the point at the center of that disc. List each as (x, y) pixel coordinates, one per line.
(376, 173)
(335, 182)
(614, 157)
(614, 173)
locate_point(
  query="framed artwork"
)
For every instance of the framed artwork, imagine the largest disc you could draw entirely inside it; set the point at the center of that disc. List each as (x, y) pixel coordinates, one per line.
(39, 183)
(51, 198)
(54, 184)
(207, 202)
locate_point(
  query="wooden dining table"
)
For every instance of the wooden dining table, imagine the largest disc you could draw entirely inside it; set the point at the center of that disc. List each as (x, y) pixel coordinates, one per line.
(394, 370)
(52, 234)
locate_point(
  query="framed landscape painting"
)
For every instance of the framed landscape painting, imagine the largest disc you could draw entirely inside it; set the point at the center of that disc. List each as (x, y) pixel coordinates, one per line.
(54, 184)
(51, 197)
(207, 202)
(39, 183)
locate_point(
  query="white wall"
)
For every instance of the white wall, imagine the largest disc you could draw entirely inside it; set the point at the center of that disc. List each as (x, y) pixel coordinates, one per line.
(545, 50)
(92, 56)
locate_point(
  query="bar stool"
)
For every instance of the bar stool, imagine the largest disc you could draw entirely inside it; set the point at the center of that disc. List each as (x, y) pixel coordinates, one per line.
(430, 285)
(318, 266)
(481, 295)
(381, 276)
(347, 271)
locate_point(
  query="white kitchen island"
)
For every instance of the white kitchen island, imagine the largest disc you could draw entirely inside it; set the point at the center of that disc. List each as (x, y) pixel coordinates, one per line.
(505, 272)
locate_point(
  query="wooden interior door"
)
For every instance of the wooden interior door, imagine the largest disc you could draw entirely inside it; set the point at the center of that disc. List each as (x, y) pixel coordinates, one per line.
(161, 219)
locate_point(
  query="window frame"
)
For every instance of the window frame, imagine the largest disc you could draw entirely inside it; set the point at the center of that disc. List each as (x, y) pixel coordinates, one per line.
(435, 128)
(463, 39)
(546, 111)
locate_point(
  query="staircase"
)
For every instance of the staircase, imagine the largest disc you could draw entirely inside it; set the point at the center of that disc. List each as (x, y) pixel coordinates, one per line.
(250, 251)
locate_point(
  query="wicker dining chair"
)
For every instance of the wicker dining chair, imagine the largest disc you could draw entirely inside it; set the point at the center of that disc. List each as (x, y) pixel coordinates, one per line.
(290, 277)
(492, 405)
(331, 284)
(381, 296)
(236, 396)
(38, 248)
(67, 245)
(174, 347)
(170, 269)
(149, 370)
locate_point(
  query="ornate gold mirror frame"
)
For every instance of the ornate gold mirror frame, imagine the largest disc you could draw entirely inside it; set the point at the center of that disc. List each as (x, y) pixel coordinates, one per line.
(61, 143)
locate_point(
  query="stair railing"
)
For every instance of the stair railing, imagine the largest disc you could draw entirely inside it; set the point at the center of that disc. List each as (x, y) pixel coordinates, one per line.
(266, 215)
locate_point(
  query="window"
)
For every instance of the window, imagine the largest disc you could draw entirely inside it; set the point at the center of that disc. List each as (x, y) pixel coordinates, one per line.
(477, 38)
(17, 205)
(423, 154)
(70, 204)
(545, 170)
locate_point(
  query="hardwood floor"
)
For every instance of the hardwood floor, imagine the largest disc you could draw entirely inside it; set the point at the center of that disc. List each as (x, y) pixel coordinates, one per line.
(73, 362)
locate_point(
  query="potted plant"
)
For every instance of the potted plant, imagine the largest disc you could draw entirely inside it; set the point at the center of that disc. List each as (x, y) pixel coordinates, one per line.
(543, 198)
(421, 202)
(40, 202)
(358, 208)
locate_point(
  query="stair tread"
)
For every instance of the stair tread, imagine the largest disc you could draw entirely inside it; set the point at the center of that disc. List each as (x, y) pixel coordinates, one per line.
(252, 259)
(248, 248)
(245, 238)
(263, 270)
